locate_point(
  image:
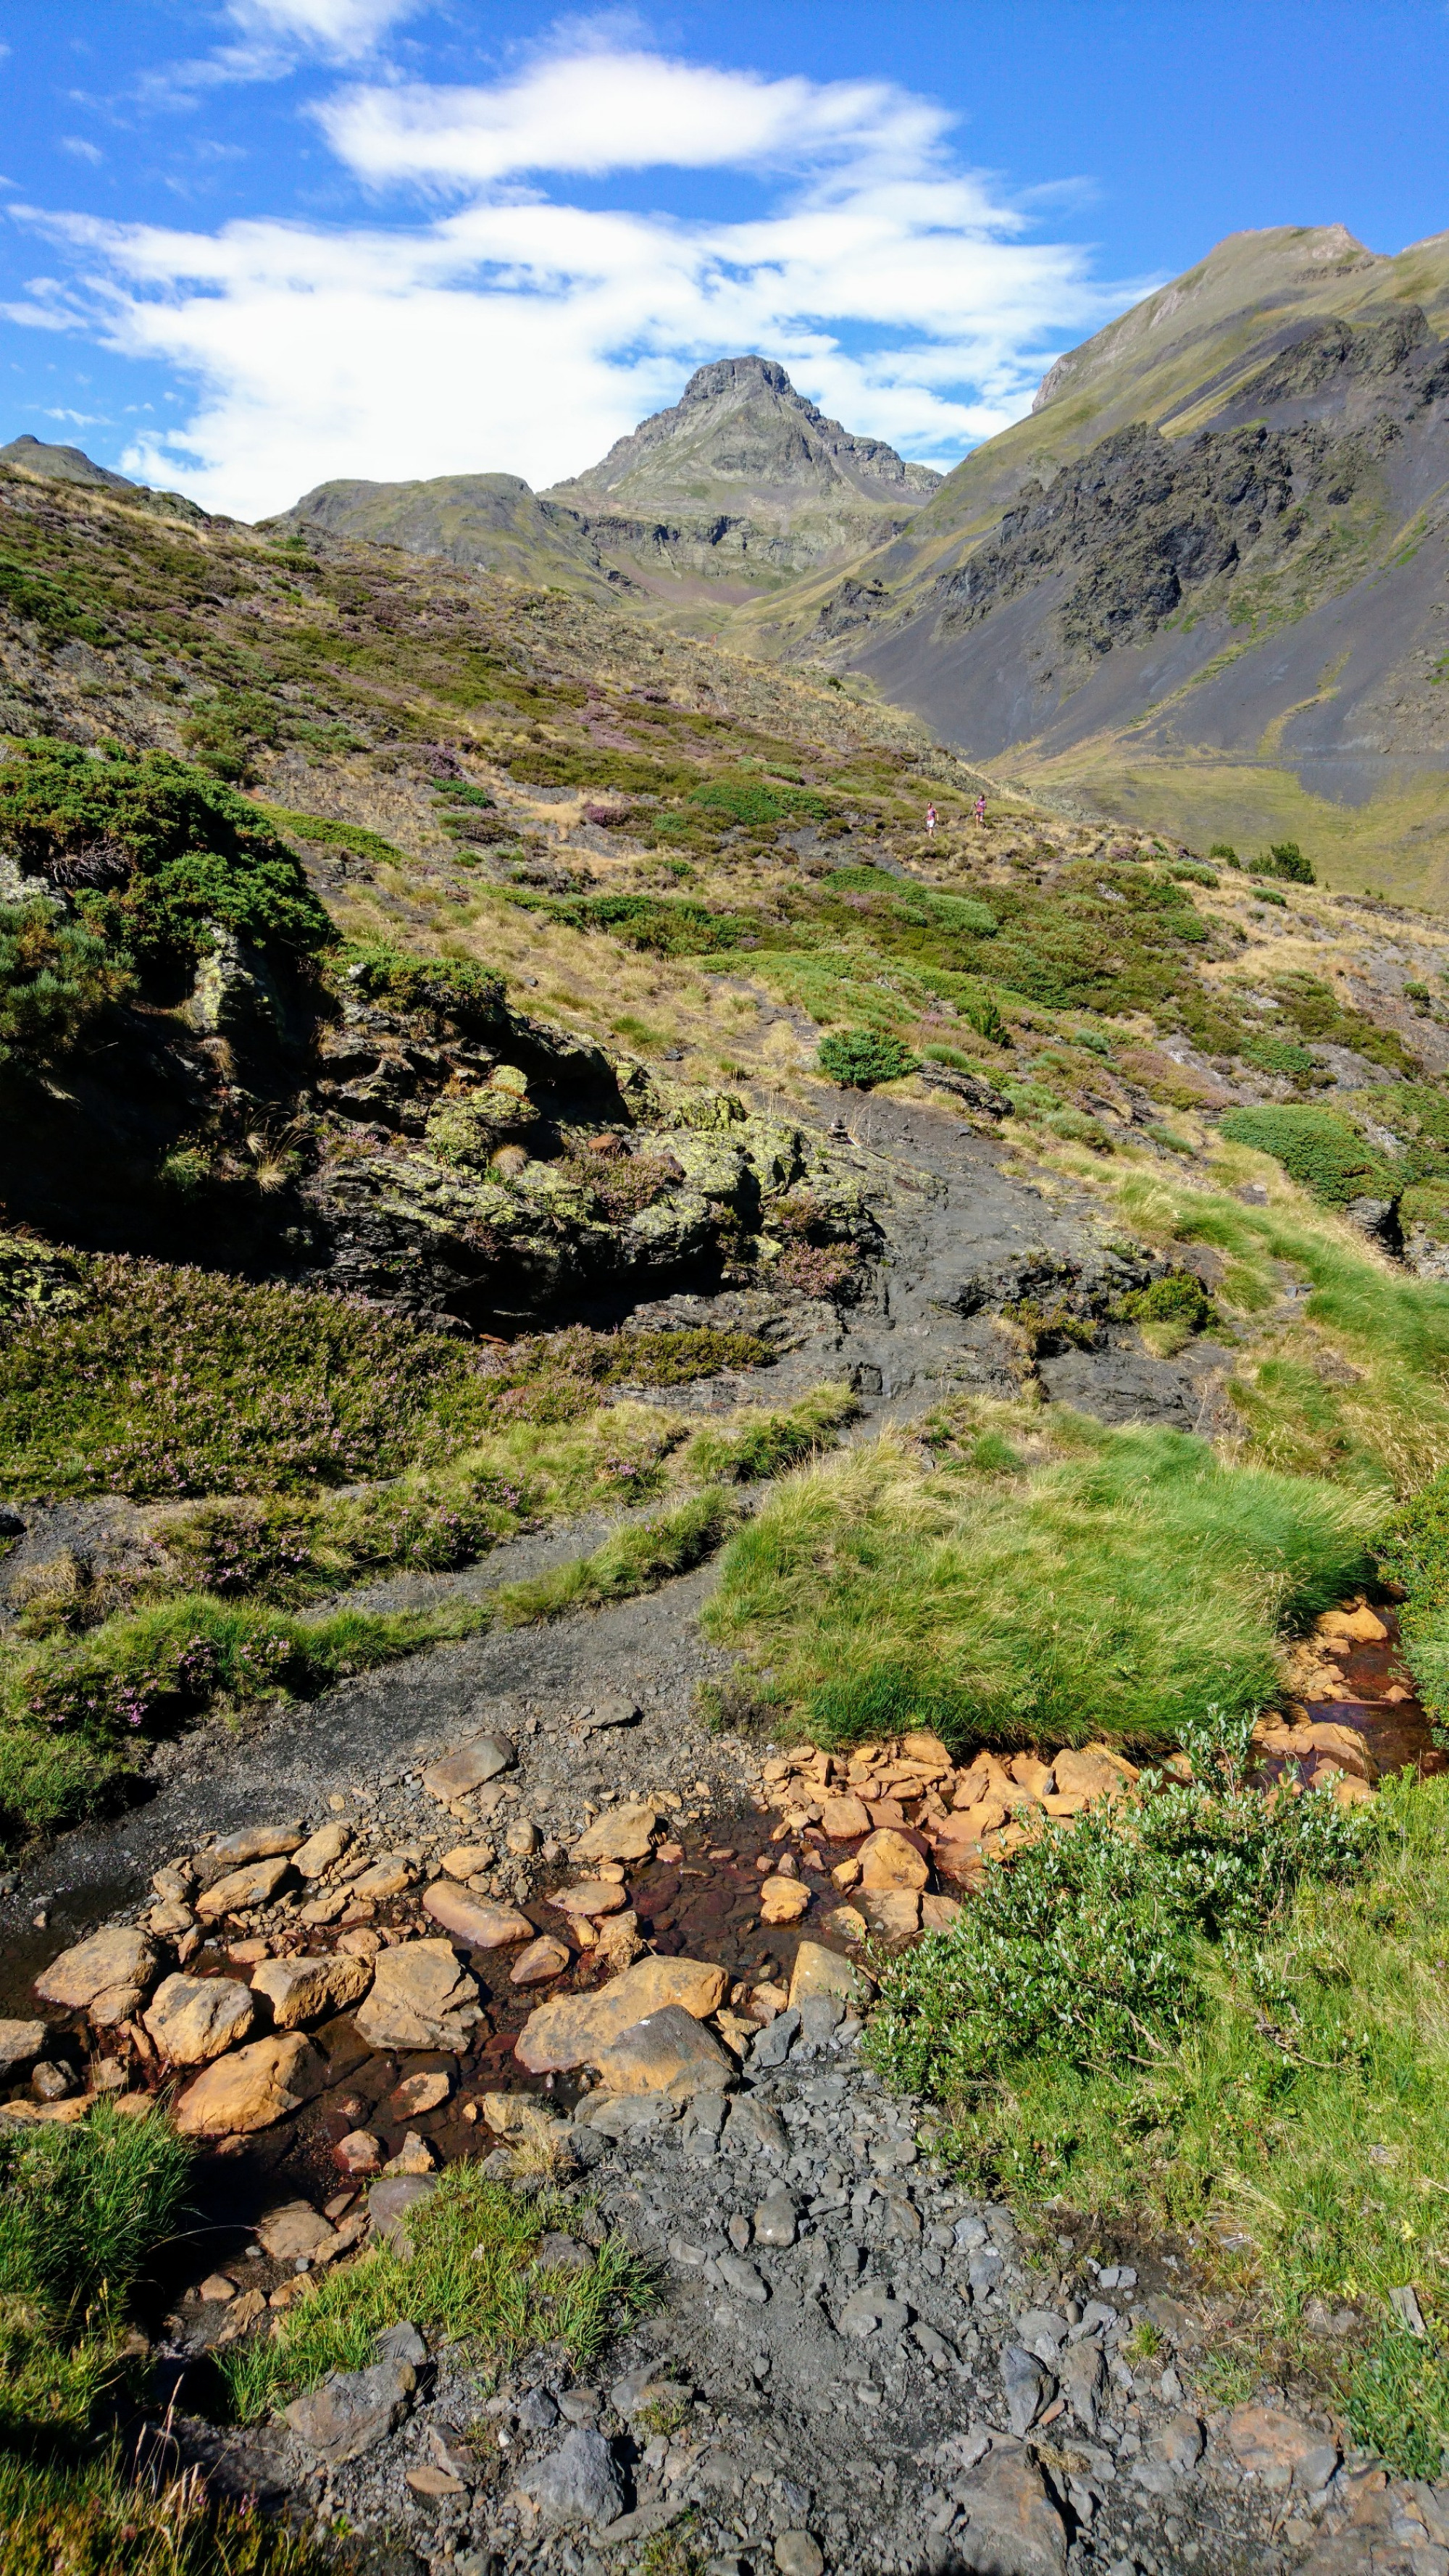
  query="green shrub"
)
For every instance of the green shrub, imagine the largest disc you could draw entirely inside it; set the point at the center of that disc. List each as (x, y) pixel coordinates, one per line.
(1317, 1149)
(1283, 1055)
(1225, 850)
(1192, 872)
(662, 925)
(1081, 1946)
(227, 731)
(743, 798)
(446, 990)
(56, 979)
(1287, 860)
(860, 1058)
(1180, 1298)
(157, 851)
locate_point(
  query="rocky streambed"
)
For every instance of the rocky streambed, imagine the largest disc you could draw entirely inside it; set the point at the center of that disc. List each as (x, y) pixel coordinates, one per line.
(610, 1956)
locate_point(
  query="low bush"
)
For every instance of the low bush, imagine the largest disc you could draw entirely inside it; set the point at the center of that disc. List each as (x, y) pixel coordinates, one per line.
(1287, 860)
(860, 1058)
(450, 992)
(1317, 1149)
(99, 2519)
(155, 851)
(56, 979)
(1080, 1948)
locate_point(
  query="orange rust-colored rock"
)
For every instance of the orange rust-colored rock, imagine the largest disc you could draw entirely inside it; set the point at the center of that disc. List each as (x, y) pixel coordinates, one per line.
(1362, 1627)
(888, 1859)
(570, 2029)
(1091, 1773)
(841, 1819)
(783, 1900)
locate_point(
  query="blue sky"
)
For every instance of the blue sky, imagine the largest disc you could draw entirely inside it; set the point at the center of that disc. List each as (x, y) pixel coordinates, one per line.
(249, 244)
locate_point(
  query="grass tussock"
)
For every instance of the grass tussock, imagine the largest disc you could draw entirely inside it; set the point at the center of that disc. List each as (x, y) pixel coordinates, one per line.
(1290, 2117)
(470, 2280)
(1120, 1584)
(96, 2520)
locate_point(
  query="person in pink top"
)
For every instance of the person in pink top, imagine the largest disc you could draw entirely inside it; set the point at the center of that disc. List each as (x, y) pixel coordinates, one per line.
(930, 818)
(980, 809)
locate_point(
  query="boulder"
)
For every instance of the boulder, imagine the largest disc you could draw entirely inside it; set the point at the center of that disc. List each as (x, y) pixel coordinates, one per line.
(320, 1850)
(107, 1976)
(1362, 1627)
(783, 1900)
(250, 2089)
(241, 1889)
(358, 2153)
(302, 1990)
(570, 2030)
(1094, 1772)
(797, 2554)
(420, 1998)
(462, 1772)
(888, 1859)
(522, 2119)
(577, 2483)
(842, 1819)
(478, 1924)
(620, 1833)
(295, 2233)
(193, 2019)
(938, 1913)
(20, 2041)
(617, 1941)
(668, 2052)
(543, 1960)
(353, 2410)
(1013, 2525)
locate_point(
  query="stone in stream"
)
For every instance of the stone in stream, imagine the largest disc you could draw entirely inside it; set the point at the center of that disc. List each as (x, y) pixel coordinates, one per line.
(295, 2231)
(570, 2030)
(468, 1769)
(358, 2153)
(418, 2094)
(620, 1833)
(302, 1990)
(889, 1860)
(893, 1912)
(241, 1889)
(420, 1998)
(543, 1960)
(250, 2089)
(390, 1876)
(669, 2051)
(107, 1976)
(783, 1900)
(479, 1925)
(353, 2410)
(320, 1850)
(590, 1897)
(20, 2041)
(193, 2019)
(468, 1860)
(842, 1819)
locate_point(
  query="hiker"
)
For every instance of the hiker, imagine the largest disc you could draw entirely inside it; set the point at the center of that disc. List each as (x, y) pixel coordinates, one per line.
(980, 809)
(930, 818)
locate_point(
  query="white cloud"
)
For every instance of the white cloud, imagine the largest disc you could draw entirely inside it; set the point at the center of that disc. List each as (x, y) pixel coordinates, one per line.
(343, 28)
(523, 333)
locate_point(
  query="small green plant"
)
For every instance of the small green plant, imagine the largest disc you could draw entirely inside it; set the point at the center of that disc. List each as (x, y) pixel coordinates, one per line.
(470, 2280)
(56, 981)
(1179, 1298)
(860, 1058)
(1398, 2403)
(1224, 850)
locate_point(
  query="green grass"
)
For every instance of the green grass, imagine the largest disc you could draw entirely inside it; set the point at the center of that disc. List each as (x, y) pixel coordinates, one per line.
(82, 2210)
(469, 2281)
(1321, 1151)
(1119, 1585)
(1295, 2131)
(95, 2521)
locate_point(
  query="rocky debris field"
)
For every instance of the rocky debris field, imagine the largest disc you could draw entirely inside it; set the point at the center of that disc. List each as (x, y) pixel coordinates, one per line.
(644, 1996)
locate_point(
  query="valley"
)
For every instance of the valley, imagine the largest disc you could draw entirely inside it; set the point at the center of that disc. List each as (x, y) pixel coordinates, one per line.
(722, 1614)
